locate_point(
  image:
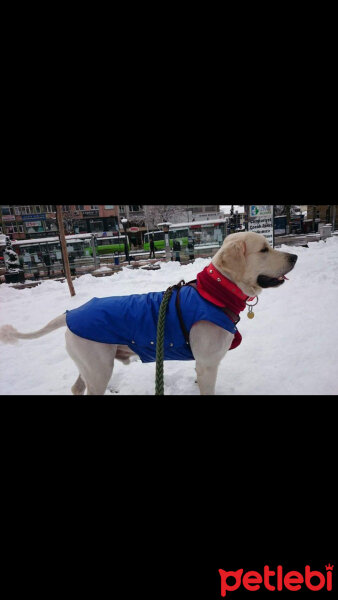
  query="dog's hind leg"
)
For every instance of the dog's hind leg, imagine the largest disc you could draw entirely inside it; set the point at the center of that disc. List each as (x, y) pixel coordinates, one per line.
(97, 385)
(94, 360)
(79, 386)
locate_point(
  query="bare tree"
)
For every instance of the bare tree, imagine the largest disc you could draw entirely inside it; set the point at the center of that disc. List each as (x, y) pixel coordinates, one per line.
(136, 220)
(158, 213)
(279, 210)
(69, 216)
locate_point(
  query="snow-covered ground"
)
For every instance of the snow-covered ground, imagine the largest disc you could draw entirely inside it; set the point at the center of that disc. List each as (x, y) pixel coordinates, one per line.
(290, 347)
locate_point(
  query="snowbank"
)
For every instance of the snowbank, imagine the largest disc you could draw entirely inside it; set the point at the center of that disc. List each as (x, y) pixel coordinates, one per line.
(290, 347)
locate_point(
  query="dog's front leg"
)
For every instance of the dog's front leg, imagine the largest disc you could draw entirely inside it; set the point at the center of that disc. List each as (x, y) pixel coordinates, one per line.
(209, 344)
(206, 378)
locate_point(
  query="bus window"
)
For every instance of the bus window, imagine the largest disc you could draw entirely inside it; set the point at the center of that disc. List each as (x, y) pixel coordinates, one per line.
(158, 237)
(109, 245)
(179, 234)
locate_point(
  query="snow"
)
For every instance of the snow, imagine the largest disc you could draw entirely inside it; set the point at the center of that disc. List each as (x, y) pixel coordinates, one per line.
(103, 269)
(290, 347)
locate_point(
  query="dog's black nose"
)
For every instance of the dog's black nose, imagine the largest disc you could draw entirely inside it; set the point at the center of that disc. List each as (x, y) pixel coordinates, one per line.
(293, 258)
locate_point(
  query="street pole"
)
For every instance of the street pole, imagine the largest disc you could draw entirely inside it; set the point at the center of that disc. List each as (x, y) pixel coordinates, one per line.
(165, 228)
(94, 250)
(126, 250)
(64, 252)
(333, 217)
(246, 216)
(314, 208)
(287, 210)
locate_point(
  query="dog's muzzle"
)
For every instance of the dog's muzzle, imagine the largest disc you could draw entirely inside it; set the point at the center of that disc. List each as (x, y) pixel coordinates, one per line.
(264, 281)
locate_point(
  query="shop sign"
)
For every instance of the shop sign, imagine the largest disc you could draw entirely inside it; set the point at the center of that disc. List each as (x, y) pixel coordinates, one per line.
(8, 218)
(33, 223)
(261, 220)
(90, 213)
(41, 217)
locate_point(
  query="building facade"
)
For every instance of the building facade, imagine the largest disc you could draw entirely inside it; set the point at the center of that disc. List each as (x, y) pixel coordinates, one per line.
(39, 220)
(324, 212)
(143, 218)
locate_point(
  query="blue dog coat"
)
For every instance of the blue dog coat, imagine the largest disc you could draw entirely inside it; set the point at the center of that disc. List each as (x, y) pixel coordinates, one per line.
(132, 321)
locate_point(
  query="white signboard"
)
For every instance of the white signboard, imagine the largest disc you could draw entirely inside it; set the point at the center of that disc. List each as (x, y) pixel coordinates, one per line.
(261, 220)
(33, 223)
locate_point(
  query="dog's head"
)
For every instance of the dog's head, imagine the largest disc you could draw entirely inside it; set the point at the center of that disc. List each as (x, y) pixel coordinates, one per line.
(248, 260)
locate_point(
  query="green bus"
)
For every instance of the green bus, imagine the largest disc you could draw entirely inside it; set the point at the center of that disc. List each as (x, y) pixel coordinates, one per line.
(207, 234)
(180, 234)
(107, 244)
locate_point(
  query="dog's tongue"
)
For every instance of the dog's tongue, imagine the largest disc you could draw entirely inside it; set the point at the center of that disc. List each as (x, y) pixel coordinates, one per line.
(283, 277)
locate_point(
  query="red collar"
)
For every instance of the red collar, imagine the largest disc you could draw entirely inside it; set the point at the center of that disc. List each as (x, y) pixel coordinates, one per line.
(219, 290)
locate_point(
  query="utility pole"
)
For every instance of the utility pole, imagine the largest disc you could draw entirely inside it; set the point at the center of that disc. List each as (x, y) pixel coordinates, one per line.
(232, 228)
(287, 210)
(64, 249)
(165, 228)
(333, 217)
(93, 244)
(314, 209)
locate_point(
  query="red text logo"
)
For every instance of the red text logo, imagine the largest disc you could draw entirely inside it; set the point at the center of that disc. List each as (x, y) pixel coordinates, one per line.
(276, 580)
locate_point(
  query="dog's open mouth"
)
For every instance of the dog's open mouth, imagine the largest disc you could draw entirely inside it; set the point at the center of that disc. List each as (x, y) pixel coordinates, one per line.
(265, 282)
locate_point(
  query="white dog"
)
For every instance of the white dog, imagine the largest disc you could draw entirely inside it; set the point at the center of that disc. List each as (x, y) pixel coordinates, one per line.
(205, 331)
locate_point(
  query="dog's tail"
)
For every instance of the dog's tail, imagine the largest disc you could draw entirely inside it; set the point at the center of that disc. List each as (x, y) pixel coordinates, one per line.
(9, 335)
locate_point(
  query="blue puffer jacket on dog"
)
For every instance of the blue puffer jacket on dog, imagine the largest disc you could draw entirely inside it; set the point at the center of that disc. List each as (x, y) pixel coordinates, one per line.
(132, 321)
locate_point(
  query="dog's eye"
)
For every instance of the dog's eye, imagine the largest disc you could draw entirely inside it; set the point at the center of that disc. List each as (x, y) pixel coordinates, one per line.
(265, 249)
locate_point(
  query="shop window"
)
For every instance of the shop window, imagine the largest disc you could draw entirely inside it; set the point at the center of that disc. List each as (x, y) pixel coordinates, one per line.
(111, 224)
(81, 226)
(26, 210)
(96, 226)
(7, 210)
(51, 226)
(135, 207)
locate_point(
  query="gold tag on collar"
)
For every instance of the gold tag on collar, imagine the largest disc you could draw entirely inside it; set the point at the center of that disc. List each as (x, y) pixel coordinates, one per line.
(250, 314)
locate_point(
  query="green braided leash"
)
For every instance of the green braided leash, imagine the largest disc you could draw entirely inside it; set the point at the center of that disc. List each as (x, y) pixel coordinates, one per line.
(159, 381)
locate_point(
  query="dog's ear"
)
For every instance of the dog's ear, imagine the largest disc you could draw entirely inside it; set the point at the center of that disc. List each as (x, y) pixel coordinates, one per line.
(232, 258)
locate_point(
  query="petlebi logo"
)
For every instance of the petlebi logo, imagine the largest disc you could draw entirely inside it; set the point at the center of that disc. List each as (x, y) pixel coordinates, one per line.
(277, 580)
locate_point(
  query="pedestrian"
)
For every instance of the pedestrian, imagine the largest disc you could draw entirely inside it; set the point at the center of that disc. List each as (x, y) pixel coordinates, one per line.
(47, 263)
(152, 247)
